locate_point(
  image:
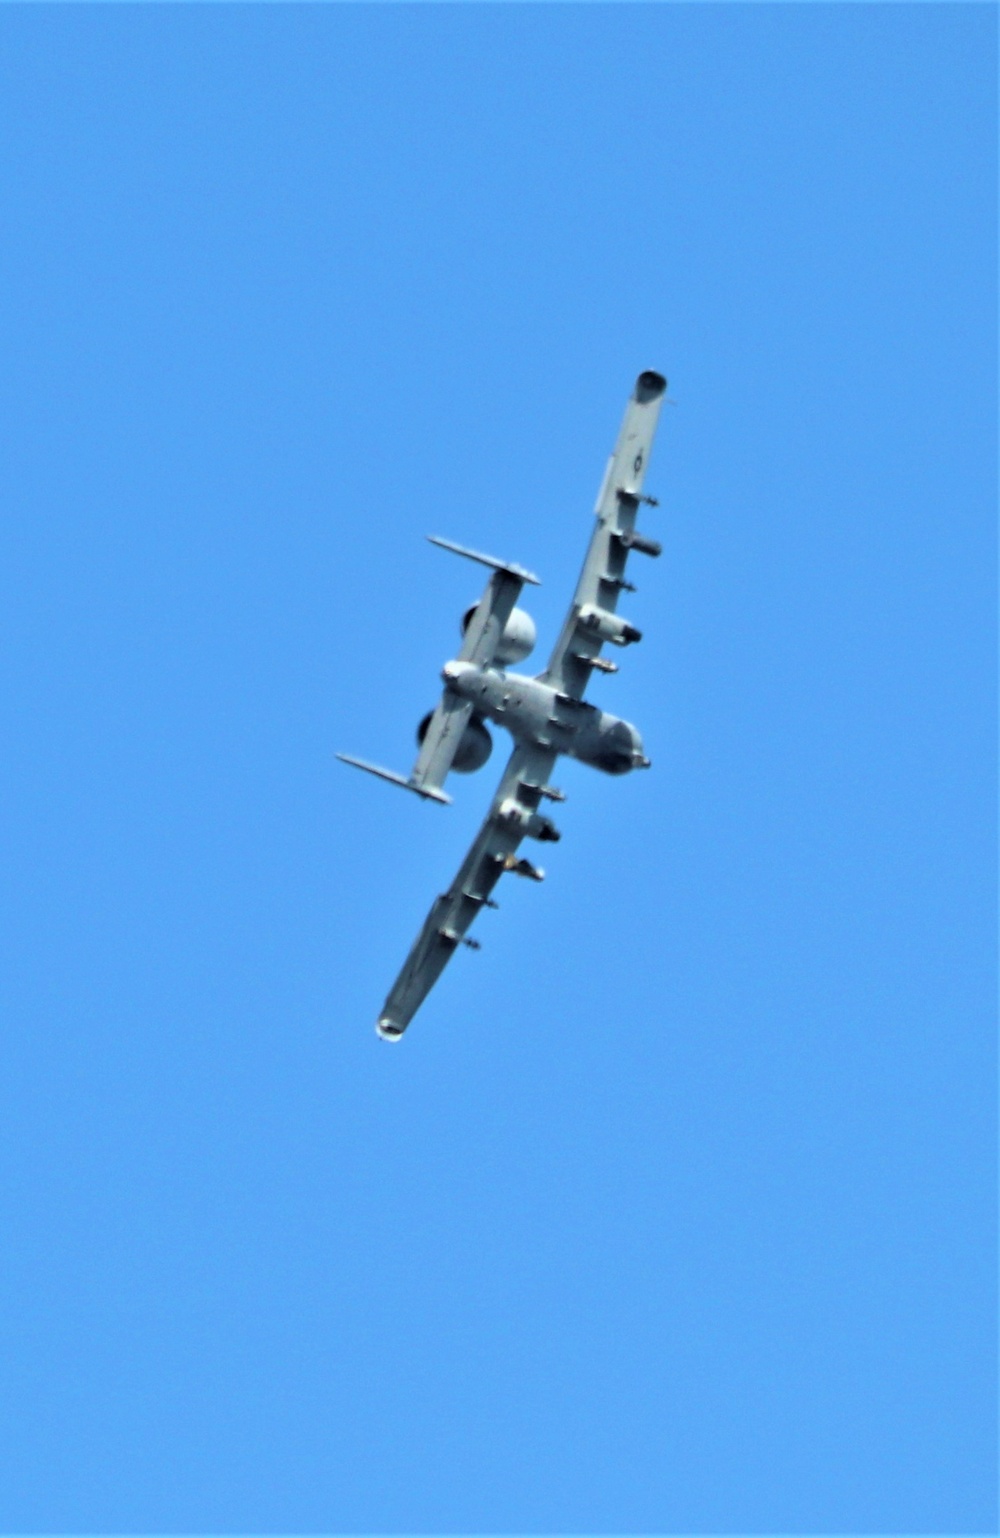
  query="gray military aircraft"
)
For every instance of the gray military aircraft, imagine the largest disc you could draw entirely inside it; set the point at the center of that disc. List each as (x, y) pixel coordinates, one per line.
(546, 715)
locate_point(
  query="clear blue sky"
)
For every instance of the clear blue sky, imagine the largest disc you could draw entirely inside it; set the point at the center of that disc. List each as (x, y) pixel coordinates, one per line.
(674, 1211)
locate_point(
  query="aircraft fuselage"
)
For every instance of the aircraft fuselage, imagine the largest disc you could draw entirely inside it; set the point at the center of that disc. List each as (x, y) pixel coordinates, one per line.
(535, 712)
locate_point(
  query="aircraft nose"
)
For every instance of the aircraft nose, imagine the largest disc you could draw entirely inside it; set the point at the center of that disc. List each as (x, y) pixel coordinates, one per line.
(639, 759)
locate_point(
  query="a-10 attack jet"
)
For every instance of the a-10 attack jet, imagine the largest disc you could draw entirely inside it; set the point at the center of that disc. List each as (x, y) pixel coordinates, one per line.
(546, 715)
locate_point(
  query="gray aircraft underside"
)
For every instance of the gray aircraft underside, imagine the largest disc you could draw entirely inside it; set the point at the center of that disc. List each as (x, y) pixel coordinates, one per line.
(546, 715)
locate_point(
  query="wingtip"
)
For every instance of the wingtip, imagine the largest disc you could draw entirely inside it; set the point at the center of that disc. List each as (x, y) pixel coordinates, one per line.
(440, 796)
(512, 567)
(649, 385)
(427, 792)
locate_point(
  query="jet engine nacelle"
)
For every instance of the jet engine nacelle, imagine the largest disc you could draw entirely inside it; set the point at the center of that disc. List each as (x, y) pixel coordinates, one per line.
(473, 750)
(518, 639)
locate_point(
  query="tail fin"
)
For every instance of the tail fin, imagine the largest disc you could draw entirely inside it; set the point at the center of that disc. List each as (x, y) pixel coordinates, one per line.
(482, 637)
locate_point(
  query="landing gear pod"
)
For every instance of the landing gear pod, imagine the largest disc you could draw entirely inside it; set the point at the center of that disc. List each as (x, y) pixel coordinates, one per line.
(531, 823)
(610, 627)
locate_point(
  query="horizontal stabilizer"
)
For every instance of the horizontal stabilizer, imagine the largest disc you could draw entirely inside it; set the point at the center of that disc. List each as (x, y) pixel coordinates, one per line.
(429, 792)
(486, 560)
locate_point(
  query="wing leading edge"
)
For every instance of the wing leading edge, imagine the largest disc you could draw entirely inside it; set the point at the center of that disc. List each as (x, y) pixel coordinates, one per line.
(513, 815)
(592, 617)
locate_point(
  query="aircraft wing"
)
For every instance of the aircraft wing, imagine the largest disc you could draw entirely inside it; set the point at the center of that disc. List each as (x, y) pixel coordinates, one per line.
(592, 618)
(513, 814)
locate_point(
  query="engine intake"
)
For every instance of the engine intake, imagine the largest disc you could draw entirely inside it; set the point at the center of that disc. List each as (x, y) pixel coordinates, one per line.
(518, 639)
(473, 750)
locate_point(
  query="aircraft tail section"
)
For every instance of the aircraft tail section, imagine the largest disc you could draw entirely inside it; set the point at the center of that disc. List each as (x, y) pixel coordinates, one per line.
(452, 722)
